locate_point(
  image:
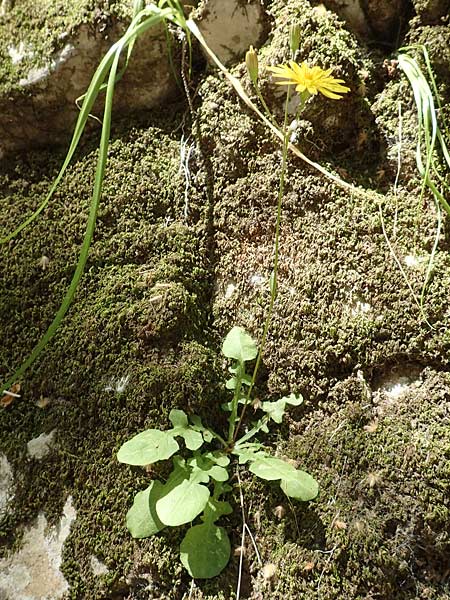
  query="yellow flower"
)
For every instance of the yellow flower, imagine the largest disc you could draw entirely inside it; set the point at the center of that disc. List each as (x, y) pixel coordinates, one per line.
(310, 79)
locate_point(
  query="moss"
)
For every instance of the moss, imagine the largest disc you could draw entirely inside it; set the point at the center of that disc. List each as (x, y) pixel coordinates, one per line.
(381, 509)
(140, 315)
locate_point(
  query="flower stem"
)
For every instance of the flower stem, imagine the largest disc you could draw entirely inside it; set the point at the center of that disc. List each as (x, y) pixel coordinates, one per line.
(274, 277)
(234, 406)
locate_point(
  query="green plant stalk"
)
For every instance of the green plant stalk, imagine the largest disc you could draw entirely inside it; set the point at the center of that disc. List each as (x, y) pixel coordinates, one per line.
(234, 405)
(253, 431)
(273, 283)
(269, 115)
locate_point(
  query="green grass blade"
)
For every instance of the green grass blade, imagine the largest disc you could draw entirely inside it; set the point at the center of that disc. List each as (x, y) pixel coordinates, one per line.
(428, 127)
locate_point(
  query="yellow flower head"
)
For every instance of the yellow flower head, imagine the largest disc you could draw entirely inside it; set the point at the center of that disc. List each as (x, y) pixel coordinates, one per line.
(310, 79)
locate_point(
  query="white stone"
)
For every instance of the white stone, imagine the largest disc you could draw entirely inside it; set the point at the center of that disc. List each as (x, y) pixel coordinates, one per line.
(394, 390)
(414, 262)
(6, 486)
(41, 446)
(38, 75)
(230, 27)
(257, 279)
(118, 385)
(229, 291)
(98, 568)
(33, 573)
(18, 53)
(360, 308)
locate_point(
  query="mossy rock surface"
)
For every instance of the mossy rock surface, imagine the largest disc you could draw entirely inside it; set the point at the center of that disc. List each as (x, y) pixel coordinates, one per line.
(170, 272)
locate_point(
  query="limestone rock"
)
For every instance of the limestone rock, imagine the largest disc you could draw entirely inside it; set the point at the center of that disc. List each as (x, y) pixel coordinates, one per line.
(377, 19)
(38, 108)
(6, 485)
(231, 26)
(34, 572)
(39, 447)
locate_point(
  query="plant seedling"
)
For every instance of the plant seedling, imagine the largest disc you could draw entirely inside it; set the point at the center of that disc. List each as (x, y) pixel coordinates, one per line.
(196, 486)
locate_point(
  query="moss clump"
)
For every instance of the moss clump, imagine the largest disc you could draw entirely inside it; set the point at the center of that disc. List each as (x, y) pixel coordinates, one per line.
(133, 346)
(380, 524)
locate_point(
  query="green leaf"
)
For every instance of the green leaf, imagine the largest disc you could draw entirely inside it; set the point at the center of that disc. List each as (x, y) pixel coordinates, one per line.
(147, 447)
(249, 452)
(142, 520)
(300, 485)
(228, 406)
(271, 468)
(231, 383)
(197, 425)
(218, 457)
(208, 436)
(182, 503)
(293, 399)
(205, 550)
(215, 509)
(275, 410)
(178, 418)
(181, 427)
(205, 466)
(218, 473)
(182, 498)
(239, 345)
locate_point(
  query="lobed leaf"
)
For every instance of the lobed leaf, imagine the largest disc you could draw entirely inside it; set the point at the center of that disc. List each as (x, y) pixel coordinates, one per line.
(215, 509)
(275, 410)
(249, 452)
(206, 466)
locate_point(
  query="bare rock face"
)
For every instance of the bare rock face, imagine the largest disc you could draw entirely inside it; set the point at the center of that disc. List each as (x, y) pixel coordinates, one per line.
(352, 12)
(33, 572)
(386, 17)
(41, 110)
(6, 486)
(379, 19)
(231, 26)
